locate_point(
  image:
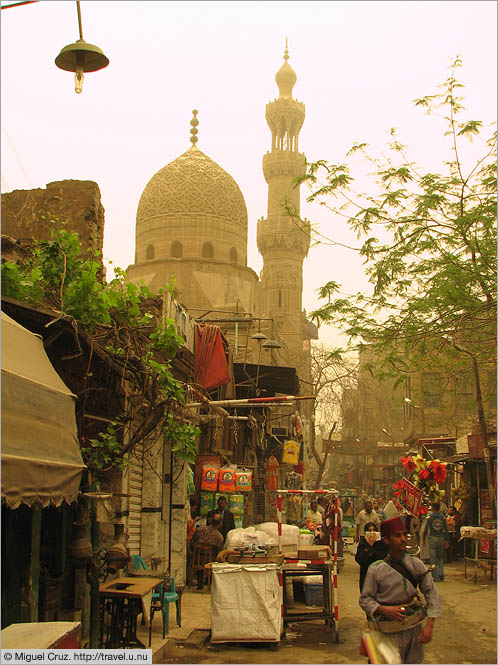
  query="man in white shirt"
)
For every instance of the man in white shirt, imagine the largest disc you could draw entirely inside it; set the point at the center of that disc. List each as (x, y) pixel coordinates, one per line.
(364, 516)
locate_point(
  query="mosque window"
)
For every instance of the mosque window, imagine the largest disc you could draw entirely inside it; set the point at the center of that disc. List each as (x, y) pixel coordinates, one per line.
(149, 253)
(207, 251)
(176, 249)
(233, 255)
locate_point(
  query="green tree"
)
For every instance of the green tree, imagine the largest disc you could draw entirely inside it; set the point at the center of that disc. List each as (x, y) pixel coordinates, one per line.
(429, 246)
(122, 321)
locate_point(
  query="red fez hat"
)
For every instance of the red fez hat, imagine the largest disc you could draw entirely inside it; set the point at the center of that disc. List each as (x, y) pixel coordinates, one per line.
(388, 527)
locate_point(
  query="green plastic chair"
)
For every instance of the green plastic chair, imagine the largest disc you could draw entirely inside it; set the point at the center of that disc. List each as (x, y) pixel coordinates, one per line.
(162, 605)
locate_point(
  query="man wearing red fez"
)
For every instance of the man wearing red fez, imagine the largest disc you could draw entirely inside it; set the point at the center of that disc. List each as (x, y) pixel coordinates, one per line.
(390, 599)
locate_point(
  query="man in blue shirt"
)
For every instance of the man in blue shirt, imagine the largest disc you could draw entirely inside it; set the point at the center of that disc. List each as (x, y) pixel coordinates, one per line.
(439, 539)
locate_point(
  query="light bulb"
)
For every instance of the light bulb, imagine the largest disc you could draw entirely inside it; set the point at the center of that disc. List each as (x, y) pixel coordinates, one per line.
(78, 80)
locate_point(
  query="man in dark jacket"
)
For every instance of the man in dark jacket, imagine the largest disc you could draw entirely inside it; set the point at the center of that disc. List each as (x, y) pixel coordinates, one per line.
(227, 518)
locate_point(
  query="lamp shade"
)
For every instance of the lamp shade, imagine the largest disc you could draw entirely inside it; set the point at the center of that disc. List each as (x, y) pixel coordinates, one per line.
(271, 344)
(91, 57)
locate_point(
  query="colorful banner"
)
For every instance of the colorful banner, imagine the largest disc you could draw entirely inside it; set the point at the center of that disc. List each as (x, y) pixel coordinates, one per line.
(412, 496)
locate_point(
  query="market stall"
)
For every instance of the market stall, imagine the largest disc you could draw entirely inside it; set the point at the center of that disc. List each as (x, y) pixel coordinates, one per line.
(312, 561)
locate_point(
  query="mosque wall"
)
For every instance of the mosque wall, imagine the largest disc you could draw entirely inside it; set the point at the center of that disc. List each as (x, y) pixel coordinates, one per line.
(201, 284)
(193, 232)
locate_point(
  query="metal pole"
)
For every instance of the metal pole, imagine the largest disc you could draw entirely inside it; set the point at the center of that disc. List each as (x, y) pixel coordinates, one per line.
(79, 18)
(18, 4)
(251, 401)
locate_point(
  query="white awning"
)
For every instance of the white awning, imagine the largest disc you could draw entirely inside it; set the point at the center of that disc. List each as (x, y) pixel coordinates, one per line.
(41, 458)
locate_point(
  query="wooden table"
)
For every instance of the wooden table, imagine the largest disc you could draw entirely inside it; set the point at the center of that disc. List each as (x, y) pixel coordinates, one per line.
(123, 600)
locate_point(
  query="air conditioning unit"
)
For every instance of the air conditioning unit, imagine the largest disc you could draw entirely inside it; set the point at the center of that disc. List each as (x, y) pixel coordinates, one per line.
(280, 431)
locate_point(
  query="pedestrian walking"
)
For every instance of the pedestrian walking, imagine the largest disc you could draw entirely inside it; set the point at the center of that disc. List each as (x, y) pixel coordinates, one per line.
(377, 506)
(454, 522)
(390, 600)
(364, 516)
(369, 549)
(439, 539)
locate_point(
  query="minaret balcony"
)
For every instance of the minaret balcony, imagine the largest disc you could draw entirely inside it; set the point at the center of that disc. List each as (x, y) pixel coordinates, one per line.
(283, 234)
(284, 163)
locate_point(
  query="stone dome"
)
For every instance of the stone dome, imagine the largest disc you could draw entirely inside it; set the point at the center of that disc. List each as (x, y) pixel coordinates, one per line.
(193, 184)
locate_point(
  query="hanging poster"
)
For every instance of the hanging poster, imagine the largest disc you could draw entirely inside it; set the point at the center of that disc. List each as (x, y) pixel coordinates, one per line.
(412, 496)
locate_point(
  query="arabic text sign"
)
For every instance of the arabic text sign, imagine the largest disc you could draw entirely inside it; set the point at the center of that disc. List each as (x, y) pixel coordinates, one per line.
(413, 496)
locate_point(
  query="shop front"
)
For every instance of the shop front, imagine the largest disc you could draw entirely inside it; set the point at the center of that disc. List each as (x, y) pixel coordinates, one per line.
(41, 473)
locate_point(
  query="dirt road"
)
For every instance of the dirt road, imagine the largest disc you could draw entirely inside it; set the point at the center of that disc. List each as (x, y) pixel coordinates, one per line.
(466, 633)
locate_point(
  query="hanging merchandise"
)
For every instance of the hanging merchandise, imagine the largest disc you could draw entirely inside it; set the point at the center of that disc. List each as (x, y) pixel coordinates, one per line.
(243, 481)
(190, 481)
(272, 472)
(291, 452)
(206, 503)
(209, 480)
(226, 482)
(236, 504)
(299, 426)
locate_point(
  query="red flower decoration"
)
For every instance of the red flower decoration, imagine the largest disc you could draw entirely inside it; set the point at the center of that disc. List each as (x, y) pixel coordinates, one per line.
(398, 485)
(439, 471)
(423, 510)
(424, 474)
(408, 463)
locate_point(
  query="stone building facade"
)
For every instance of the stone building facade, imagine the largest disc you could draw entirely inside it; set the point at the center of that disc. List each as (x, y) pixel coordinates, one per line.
(74, 205)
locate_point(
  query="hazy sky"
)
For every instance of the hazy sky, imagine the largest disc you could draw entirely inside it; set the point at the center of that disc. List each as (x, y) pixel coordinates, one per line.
(359, 65)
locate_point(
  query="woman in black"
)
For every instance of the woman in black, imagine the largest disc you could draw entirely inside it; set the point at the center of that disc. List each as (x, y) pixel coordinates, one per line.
(369, 550)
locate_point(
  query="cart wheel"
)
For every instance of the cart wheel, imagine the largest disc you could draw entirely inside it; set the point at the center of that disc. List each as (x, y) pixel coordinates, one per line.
(336, 632)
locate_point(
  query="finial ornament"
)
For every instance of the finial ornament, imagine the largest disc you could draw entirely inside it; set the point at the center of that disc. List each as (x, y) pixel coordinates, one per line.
(194, 122)
(286, 52)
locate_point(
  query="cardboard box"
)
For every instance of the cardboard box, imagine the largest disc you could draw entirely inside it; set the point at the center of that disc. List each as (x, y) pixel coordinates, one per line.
(315, 552)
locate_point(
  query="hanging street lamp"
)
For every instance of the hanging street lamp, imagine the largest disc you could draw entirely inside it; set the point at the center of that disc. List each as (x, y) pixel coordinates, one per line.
(81, 57)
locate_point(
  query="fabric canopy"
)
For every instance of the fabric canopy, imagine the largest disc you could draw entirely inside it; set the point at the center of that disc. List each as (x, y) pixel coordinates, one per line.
(41, 458)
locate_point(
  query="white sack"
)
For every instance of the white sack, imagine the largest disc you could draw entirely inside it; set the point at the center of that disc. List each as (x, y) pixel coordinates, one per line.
(290, 533)
(247, 537)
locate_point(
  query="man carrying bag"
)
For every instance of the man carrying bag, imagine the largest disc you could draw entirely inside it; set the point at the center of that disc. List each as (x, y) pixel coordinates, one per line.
(390, 600)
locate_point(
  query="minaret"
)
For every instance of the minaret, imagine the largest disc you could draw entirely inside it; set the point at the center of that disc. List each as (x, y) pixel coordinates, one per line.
(283, 238)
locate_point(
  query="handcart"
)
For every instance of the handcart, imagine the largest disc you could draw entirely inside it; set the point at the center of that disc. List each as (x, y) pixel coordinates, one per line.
(297, 567)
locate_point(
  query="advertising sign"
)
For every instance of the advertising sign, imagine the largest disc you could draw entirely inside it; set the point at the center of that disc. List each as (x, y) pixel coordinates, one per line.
(412, 496)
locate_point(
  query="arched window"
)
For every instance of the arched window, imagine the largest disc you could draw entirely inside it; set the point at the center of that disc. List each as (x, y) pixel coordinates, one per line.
(233, 255)
(149, 253)
(279, 298)
(207, 250)
(176, 249)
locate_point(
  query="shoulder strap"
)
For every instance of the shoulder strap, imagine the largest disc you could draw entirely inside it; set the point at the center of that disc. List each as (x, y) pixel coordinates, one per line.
(398, 566)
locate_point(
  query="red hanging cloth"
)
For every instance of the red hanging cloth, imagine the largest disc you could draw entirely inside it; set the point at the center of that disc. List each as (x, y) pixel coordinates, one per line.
(211, 368)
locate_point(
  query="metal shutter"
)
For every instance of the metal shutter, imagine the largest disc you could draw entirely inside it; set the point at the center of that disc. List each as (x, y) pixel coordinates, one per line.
(135, 484)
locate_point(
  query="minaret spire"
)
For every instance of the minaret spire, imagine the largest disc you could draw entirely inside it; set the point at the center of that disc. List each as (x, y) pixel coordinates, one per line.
(194, 131)
(286, 52)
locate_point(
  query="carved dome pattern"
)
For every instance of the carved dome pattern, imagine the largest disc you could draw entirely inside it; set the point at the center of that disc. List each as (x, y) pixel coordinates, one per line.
(193, 184)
